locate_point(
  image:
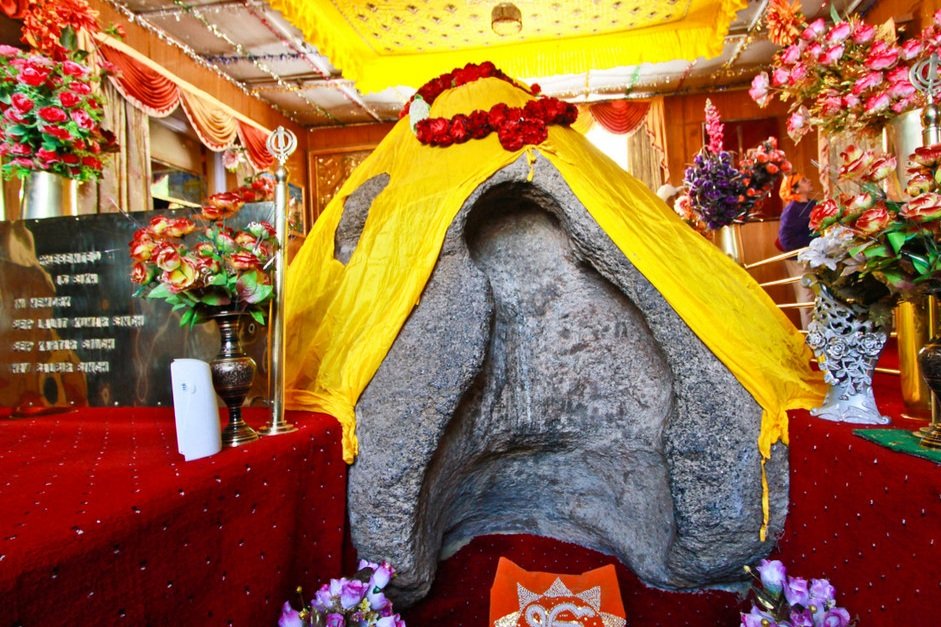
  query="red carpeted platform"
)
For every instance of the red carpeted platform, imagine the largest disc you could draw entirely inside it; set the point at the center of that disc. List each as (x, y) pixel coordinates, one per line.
(104, 523)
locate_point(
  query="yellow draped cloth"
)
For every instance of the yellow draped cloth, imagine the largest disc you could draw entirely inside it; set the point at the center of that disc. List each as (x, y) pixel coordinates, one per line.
(341, 319)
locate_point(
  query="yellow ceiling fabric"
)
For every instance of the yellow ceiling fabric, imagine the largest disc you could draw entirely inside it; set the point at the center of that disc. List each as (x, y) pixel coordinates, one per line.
(384, 43)
(342, 320)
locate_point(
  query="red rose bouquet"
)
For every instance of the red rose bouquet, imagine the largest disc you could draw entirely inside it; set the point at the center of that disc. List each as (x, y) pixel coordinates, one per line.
(51, 117)
(872, 249)
(841, 75)
(218, 268)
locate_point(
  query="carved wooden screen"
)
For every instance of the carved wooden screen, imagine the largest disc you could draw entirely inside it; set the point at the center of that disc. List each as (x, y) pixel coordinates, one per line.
(329, 172)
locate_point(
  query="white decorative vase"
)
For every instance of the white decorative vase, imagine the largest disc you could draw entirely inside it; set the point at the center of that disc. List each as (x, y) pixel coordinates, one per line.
(48, 195)
(847, 343)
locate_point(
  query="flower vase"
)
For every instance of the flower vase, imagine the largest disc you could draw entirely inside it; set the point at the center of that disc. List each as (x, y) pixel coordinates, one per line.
(48, 195)
(847, 342)
(929, 359)
(729, 240)
(232, 375)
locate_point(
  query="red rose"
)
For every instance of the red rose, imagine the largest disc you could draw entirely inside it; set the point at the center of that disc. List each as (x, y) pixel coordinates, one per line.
(440, 132)
(34, 77)
(533, 132)
(180, 227)
(80, 88)
(537, 110)
(142, 274)
(856, 162)
(48, 156)
(142, 246)
(52, 114)
(14, 116)
(158, 226)
(91, 162)
(70, 159)
(73, 69)
(498, 114)
(423, 131)
(488, 69)
(21, 150)
(23, 163)
(479, 123)
(510, 136)
(824, 214)
(56, 131)
(924, 208)
(460, 128)
(873, 220)
(166, 256)
(535, 89)
(68, 99)
(243, 261)
(928, 156)
(82, 119)
(22, 102)
(182, 277)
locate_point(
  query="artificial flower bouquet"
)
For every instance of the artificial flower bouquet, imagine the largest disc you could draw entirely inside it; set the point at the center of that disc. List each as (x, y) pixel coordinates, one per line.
(785, 601)
(200, 268)
(51, 117)
(873, 250)
(839, 75)
(355, 602)
(719, 190)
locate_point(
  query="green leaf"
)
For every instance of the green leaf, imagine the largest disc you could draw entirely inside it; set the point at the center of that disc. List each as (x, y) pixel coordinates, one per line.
(214, 299)
(897, 239)
(68, 39)
(161, 291)
(920, 264)
(258, 316)
(17, 130)
(880, 250)
(187, 318)
(834, 15)
(218, 280)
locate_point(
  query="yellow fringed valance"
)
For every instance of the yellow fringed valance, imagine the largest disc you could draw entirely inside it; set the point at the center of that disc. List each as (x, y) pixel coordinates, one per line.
(342, 319)
(380, 44)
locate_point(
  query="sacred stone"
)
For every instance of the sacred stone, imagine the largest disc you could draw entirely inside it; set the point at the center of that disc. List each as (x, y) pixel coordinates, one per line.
(543, 386)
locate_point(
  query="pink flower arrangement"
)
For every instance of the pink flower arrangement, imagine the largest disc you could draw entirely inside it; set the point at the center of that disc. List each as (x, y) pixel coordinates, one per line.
(51, 117)
(219, 268)
(355, 602)
(841, 75)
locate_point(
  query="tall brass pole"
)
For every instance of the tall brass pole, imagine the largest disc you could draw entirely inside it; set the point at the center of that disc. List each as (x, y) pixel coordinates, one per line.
(281, 143)
(924, 76)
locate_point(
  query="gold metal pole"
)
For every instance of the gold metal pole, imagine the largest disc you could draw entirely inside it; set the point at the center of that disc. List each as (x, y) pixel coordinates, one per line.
(281, 143)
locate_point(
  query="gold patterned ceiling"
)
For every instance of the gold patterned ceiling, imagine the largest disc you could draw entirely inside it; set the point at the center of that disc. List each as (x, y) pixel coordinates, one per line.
(341, 62)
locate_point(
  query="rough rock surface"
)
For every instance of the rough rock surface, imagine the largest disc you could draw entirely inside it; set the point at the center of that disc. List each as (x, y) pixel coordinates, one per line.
(544, 386)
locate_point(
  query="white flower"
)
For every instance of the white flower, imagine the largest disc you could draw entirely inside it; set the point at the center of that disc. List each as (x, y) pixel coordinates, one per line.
(418, 111)
(828, 250)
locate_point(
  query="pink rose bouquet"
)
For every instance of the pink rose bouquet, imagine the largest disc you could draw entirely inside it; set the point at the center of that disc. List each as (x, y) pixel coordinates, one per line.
(355, 602)
(870, 248)
(839, 75)
(217, 268)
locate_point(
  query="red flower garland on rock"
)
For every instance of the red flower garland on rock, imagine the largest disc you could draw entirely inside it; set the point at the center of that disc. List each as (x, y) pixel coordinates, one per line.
(515, 126)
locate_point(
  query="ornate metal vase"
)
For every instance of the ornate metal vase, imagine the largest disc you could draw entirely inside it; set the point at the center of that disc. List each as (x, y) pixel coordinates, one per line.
(232, 375)
(847, 343)
(929, 358)
(48, 195)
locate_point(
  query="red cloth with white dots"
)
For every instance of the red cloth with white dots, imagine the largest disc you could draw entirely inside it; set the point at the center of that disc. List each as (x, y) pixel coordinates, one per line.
(104, 523)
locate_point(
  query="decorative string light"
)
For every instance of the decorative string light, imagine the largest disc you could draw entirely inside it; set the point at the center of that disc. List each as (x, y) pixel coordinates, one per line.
(161, 35)
(229, 59)
(263, 67)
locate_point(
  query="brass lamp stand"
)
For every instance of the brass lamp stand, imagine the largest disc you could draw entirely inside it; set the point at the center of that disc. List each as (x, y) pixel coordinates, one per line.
(281, 143)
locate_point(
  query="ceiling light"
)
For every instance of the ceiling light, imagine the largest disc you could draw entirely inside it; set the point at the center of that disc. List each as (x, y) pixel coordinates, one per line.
(506, 19)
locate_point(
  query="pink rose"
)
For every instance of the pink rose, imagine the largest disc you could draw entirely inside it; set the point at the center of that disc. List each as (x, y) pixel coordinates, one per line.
(856, 162)
(791, 55)
(832, 55)
(142, 274)
(923, 208)
(14, 116)
(798, 72)
(839, 32)
(80, 88)
(8, 51)
(867, 82)
(759, 89)
(69, 99)
(815, 29)
(911, 49)
(873, 220)
(73, 69)
(901, 89)
(48, 156)
(814, 50)
(830, 104)
(863, 33)
(881, 167)
(797, 123)
(858, 204)
(166, 256)
(896, 74)
(33, 77)
(883, 60)
(56, 131)
(877, 103)
(82, 119)
(850, 101)
(779, 77)
(22, 150)
(23, 163)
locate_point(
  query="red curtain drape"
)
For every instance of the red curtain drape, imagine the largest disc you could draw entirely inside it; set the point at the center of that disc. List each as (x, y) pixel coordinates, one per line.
(620, 116)
(255, 142)
(14, 8)
(146, 88)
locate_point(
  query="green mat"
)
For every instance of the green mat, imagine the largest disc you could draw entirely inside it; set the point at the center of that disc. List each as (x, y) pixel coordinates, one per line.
(901, 441)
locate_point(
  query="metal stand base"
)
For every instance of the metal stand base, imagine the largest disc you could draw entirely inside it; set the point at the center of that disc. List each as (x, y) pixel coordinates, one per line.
(238, 433)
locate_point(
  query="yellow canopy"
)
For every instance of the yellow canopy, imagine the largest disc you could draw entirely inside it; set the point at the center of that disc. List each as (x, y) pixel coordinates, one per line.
(342, 320)
(385, 43)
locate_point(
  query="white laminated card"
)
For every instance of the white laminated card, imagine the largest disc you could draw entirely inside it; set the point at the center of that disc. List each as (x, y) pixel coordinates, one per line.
(198, 433)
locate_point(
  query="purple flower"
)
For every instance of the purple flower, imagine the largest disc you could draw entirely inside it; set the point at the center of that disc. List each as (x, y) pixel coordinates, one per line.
(335, 620)
(381, 575)
(836, 617)
(755, 618)
(821, 592)
(801, 619)
(377, 600)
(796, 591)
(322, 600)
(352, 593)
(772, 576)
(289, 617)
(390, 621)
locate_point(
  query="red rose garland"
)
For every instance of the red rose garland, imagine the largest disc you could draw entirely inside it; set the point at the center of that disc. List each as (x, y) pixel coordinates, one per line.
(515, 126)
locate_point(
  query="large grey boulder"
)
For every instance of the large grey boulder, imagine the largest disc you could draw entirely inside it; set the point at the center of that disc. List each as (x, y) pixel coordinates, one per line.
(544, 386)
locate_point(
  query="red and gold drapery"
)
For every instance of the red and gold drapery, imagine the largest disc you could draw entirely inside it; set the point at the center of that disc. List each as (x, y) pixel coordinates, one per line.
(624, 117)
(157, 92)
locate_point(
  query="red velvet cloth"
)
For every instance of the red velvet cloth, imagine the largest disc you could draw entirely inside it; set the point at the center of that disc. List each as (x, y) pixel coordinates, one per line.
(105, 523)
(861, 515)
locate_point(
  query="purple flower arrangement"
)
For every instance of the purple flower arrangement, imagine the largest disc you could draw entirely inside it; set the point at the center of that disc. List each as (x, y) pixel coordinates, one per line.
(783, 601)
(355, 602)
(715, 188)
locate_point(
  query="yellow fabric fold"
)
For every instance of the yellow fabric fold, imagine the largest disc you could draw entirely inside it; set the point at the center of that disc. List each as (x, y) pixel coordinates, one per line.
(357, 39)
(342, 319)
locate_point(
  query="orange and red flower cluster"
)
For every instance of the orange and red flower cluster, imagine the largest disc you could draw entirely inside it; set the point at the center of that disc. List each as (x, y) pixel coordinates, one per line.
(226, 204)
(222, 268)
(515, 126)
(51, 117)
